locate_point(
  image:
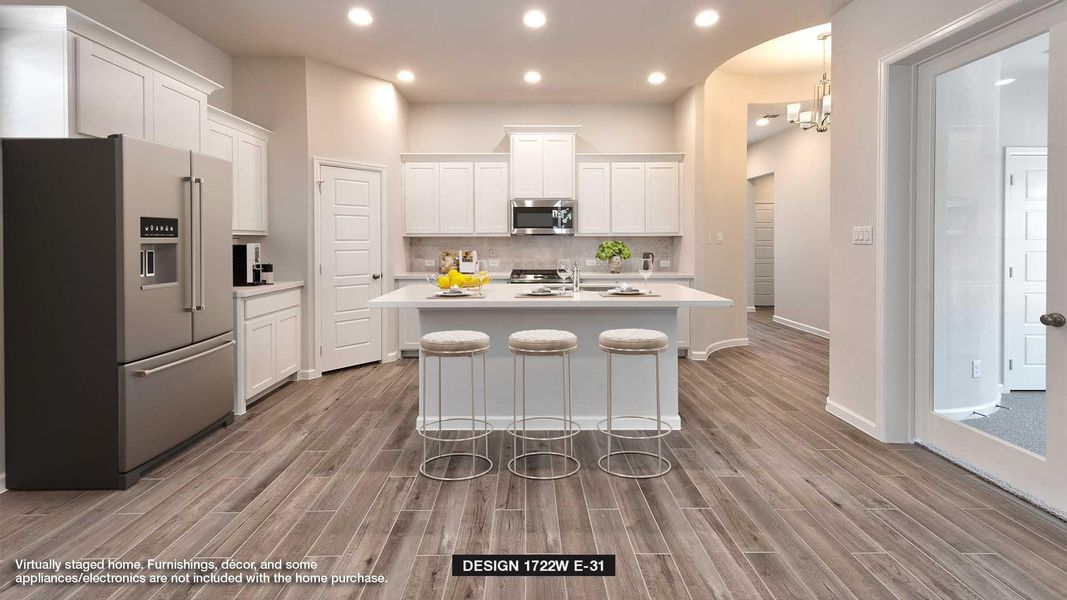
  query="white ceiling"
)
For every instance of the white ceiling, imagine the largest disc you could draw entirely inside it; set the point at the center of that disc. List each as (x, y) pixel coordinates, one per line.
(776, 126)
(797, 52)
(477, 50)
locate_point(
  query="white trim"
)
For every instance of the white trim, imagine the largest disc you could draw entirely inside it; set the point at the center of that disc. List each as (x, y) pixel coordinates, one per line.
(630, 157)
(509, 129)
(454, 157)
(315, 252)
(961, 413)
(852, 418)
(391, 357)
(751, 309)
(3, 482)
(306, 374)
(715, 347)
(231, 120)
(801, 326)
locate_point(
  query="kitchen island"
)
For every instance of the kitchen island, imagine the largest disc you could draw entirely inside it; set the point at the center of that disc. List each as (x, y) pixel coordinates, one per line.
(500, 311)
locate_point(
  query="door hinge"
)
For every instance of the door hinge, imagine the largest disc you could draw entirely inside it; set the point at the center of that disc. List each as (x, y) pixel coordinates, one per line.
(1011, 272)
(1011, 364)
(1011, 180)
(319, 183)
(320, 350)
(320, 268)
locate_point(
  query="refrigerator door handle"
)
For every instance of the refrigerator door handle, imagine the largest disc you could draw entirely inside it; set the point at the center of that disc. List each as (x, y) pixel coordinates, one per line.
(199, 181)
(153, 371)
(192, 250)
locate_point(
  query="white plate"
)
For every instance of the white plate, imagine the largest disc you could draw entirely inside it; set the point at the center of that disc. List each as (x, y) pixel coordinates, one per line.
(631, 292)
(451, 294)
(538, 293)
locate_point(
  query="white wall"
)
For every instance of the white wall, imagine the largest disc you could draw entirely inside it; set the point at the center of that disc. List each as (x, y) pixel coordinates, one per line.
(146, 25)
(479, 126)
(800, 162)
(689, 138)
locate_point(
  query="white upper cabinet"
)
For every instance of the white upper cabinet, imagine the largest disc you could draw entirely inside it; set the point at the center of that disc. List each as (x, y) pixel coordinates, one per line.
(421, 202)
(491, 198)
(179, 113)
(244, 144)
(558, 166)
(628, 197)
(456, 198)
(113, 93)
(527, 165)
(594, 198)
(542, 160)
(662, 200)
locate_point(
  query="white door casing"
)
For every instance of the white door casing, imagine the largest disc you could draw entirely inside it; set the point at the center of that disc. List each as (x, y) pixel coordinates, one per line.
(1026, 185)
(350, 228)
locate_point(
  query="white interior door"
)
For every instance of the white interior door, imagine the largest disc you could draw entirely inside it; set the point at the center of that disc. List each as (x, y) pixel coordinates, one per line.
(763, 241)
(1025, 257)
(965, 121)
(350, 229)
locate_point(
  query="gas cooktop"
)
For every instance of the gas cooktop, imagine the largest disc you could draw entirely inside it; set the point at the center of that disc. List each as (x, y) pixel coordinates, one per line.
(534, 276)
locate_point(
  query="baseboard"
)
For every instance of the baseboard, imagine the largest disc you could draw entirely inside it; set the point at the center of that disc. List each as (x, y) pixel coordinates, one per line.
(958, 414)
(751, 309)
(305, 374)
(3, 482)
(801, 326)
(391, 357)
(715, 347)
(852, 418)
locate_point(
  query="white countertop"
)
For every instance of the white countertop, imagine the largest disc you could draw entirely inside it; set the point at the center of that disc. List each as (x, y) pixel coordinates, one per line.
(667, 295)
(246, 291)
(502, 277)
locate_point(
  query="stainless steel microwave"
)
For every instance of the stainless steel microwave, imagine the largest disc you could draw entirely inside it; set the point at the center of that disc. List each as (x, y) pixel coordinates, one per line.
(542, 217)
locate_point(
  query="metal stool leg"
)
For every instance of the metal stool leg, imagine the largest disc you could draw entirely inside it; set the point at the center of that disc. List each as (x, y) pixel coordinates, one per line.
(569, 426)
(662, 430)
(474, 432)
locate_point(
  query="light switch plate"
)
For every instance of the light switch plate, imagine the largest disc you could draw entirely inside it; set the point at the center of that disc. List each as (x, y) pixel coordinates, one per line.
(976, 369)
(862, 235)
(720, 238)
(428, 262)
(590, 262)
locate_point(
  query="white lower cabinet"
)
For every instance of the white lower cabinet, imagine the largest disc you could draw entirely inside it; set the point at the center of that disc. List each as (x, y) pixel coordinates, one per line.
(408, 319)
(268, 343)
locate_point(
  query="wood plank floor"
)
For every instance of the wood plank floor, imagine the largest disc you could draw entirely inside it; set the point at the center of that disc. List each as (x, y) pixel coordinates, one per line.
(770, 497)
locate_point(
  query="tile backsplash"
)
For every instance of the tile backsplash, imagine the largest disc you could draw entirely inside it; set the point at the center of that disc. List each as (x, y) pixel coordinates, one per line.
(538, 251)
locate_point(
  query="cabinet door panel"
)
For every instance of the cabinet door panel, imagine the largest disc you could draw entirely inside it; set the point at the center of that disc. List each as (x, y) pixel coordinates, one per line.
(113, 93)
(178, 113)
(408, 320)
(491, 198)
(456, 198)
(220, 141)
(421, 203)
(628, 197)
(558, 166)
(287, 343)
(251, 184)
(259, 356)
(527, 166)
(662, 200)
(594, 198)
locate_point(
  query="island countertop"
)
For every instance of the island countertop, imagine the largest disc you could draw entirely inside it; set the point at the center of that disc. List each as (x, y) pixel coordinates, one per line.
(664, 295)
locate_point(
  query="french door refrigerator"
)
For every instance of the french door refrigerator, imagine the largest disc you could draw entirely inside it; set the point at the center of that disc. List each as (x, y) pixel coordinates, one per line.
(118, 315)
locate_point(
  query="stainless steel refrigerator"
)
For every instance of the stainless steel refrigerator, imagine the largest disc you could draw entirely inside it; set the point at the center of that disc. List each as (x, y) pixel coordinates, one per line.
(118, 310)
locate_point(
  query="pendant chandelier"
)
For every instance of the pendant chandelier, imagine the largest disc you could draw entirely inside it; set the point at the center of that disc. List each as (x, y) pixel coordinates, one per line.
(819, 115)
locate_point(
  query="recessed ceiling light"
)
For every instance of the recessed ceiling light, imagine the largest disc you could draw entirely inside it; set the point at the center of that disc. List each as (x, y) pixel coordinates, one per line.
(1004, 81)
(406, 76)
(706, 18)
(763, 122)
(532, 77)
(534, 19)
(656, 78)
(360, 16)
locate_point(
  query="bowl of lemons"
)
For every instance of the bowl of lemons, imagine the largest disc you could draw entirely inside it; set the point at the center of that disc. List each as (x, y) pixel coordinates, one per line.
(460, 282)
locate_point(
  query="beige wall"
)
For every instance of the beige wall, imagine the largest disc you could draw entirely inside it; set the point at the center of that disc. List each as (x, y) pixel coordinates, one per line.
(689, 138)
(725, 198)
(479, 126)
(800, 162)
(146, 25)
(864, 32)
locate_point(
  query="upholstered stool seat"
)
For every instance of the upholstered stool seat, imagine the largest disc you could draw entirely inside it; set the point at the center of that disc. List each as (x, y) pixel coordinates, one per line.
(633, 340)
(455, 341)
(542, 341)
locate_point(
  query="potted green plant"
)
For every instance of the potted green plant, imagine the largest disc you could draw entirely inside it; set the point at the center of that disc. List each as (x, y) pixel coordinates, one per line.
(613, 251)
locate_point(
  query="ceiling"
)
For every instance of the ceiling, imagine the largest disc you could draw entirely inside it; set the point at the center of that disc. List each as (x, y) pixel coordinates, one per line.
(776, 125)
(478, 50)
(797, 52)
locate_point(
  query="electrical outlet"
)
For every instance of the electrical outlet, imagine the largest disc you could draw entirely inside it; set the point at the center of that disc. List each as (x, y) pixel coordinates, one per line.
(976, 369)
(862, 235)
(590, 262)
(494, 262)
(720, 238)
(429, 262)
(664, 262)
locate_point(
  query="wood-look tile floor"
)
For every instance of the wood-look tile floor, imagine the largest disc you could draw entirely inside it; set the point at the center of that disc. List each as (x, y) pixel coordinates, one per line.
(770, 497)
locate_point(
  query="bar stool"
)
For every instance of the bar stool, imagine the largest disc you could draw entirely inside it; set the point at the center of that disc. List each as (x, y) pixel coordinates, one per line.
(452, 344)
(634, 342)
(542, 342)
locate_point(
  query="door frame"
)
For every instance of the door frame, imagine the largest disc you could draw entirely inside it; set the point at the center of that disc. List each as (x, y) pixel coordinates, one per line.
(1011, 152)
(314, 304)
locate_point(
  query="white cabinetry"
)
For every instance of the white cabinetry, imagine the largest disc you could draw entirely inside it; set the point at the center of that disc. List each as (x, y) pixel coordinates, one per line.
(66, 75)
(267, 324)
(408, 320)
(542, 161)
(244, 144)
(594, 198)
(455, 197)
(629, 194)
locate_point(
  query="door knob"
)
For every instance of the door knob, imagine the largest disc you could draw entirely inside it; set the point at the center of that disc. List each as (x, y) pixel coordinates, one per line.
(1053, 320)
(379, 276)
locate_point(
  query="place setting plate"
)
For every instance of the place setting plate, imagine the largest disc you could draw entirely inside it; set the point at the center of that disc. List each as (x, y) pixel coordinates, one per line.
(542, 293)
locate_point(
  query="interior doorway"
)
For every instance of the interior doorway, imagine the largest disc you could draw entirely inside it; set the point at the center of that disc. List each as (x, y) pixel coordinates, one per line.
(761, 272)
